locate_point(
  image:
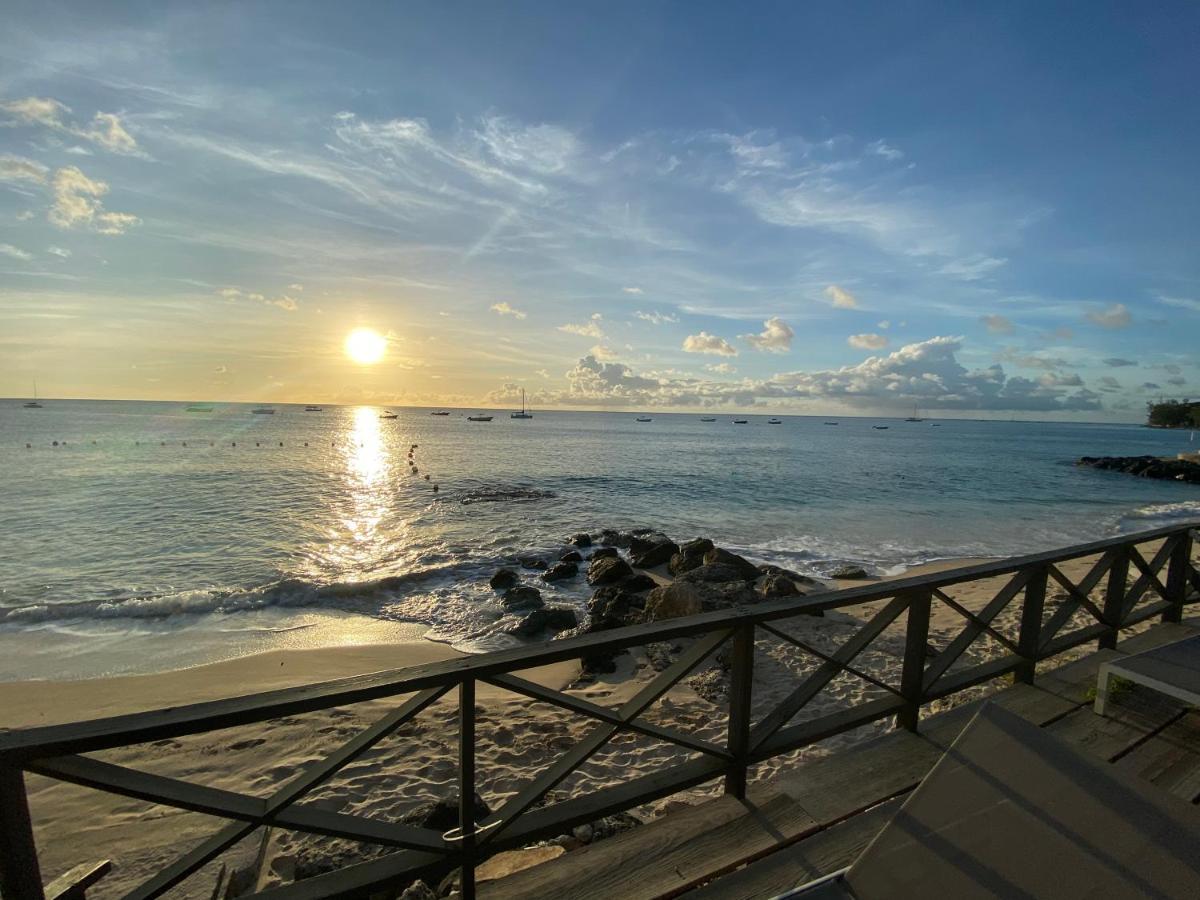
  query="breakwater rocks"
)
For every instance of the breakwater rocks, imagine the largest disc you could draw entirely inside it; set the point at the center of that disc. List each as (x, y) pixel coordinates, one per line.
(1146, 467)
(660, 580)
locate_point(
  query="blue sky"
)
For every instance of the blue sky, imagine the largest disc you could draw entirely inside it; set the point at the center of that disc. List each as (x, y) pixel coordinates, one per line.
(821, 207)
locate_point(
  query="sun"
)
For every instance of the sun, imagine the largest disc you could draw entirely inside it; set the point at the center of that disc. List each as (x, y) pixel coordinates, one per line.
(365, 346)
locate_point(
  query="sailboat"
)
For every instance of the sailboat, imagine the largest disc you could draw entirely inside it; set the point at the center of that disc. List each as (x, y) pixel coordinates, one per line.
(916, 416)
(522, 414)
(33, 404)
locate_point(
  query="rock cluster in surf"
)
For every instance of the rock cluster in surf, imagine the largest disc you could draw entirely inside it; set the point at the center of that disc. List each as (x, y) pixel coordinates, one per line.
(1146, 467)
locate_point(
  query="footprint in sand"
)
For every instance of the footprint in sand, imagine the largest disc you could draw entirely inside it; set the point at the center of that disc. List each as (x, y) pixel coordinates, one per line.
(246, 744)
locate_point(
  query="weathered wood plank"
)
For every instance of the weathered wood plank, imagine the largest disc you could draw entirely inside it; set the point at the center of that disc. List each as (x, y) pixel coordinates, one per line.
(1126, 724)
(1028, 701)
(73, 884)
(1170, 759)
(819, 854)
(664, 857)
(842, 784)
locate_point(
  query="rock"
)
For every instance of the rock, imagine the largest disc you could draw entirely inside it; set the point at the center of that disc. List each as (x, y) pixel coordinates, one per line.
(774, 586)
(849, 572)
(503, 579)
(1147, 467)
(548, 618)
(690, 556)
(639, 582)
(712, 685)
(604, 552)
(768, 569)
(581, 540)
(418, 890)
(612, 825)
(560, 571)
(661, 654)
(571, 556)
(612, 538)
(607, 570)
(582, 833)
(522, 597)
(593, 663)
(442, 814)
(718, 557)
(509, 862)
(707, 574)
(612, 606)
(672, 601)
(532, 562)
(652, 549)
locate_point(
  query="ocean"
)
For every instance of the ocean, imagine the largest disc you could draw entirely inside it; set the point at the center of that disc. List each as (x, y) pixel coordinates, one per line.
(153, 538)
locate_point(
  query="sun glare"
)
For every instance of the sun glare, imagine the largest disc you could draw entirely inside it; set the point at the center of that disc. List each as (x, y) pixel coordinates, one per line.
(365, 346)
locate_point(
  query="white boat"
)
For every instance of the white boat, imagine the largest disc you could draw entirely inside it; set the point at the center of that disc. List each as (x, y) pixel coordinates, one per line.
(313, 409)
(33, 404)
(774, 422)
(522, 414)
(388, 415)
(263, 411)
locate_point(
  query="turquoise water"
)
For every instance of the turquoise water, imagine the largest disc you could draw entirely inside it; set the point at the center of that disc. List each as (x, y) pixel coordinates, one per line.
(127, 551)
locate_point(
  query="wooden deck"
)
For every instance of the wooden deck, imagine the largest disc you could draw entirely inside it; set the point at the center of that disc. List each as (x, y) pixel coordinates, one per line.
(818, 818)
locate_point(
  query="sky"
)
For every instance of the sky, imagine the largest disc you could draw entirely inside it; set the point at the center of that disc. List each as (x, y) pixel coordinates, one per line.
(974, 209)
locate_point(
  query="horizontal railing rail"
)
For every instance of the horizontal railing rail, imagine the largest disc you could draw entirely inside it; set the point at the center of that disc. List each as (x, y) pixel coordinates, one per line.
(924, 675)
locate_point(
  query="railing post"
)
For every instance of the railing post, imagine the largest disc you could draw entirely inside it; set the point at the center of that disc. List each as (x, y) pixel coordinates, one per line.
(466, 783)
(1030, 637)
(915, 642)
(20, 877)
(741, 682)
(1177, 577)
(1114, 597)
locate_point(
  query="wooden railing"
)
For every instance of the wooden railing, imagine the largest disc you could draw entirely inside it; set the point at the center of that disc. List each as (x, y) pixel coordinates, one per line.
(59, 752)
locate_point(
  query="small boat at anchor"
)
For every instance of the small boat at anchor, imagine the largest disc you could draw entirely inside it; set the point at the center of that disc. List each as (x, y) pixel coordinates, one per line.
(774, 421)
(740, 421)
(200, 408)
(263, 411)
(440, 412)
(388, 415)
(313, 409)
(708, 418)
(880, 427)
(644, 419)
(479, 418)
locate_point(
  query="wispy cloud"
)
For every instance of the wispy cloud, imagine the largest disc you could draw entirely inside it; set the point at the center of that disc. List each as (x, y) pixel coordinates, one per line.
(17, 169)
(867, 341)
(105, 130)
(997, 324)
(656, 318)
(1113, 316)
(77, 204)
(589, 329)
(841, 297)
(15, 252)
(504, 309)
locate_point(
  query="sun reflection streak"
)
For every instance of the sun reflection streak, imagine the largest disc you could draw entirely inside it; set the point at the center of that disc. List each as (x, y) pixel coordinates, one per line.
(367, 470)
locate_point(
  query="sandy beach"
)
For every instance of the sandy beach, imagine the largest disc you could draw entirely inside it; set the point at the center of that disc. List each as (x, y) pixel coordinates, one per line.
(516, 737)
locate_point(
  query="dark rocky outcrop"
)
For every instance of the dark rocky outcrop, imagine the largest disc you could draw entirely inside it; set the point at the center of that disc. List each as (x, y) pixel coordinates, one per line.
(849, 572)
(651, 549)
(442, 814)
(583, 539)
(607, 570)
(503, 579)
(719, 557)
(603, 552)
(560, 571)
(638, 582)
(522, 597)
(715, 573)
(672, 601)
(571, 556)
(546, 618)
(532, 562)
(612, 538)
(1146, 467)
(768, 569)
(690, 556)
(613, 607)
(774, 587)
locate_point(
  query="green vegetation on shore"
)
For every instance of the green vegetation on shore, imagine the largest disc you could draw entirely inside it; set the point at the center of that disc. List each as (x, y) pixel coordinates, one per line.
(1173, 414)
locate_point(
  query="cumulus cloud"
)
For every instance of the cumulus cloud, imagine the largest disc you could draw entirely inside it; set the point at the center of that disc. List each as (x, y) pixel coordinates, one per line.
(1151, 386)
(867, 341)
(776, 337)
(655, 318)
(927, 373)
(997, 324)
(590, 328)
(504, 309)
(708, 343)
(1060, 379)
(602, 352)
(105, 130)
(1177, 380)
(841, 298)
(1113, 316)
(77, 204)
(15, 252)
(15, 169)
(1172, 369)
(1108, 383)
(1117, 362)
